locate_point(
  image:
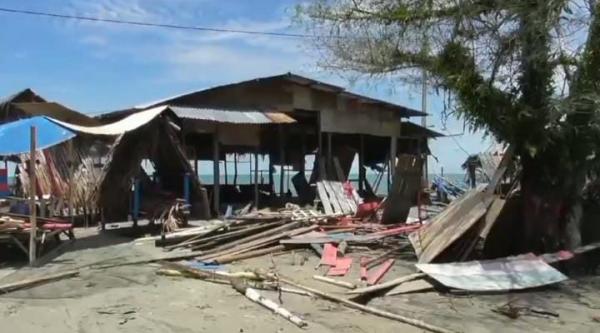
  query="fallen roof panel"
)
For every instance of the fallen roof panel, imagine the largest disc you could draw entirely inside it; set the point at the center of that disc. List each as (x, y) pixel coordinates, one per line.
(15, 136)
(513, 273)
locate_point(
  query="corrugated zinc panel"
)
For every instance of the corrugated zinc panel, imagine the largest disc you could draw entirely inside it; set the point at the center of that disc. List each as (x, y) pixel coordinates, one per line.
(233, 117)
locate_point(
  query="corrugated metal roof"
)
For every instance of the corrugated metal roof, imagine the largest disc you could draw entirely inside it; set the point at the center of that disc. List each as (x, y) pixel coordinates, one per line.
(232, 117)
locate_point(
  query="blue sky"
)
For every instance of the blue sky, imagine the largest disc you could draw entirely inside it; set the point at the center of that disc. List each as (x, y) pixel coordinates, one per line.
(96, 67)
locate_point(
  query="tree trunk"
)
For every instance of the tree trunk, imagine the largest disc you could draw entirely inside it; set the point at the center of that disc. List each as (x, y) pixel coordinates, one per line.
(552, 210)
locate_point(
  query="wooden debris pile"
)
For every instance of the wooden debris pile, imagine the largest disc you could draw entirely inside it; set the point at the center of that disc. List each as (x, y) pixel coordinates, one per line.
(266, 232)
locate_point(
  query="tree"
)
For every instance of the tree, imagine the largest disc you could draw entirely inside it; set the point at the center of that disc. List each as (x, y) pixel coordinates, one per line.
(525, 71)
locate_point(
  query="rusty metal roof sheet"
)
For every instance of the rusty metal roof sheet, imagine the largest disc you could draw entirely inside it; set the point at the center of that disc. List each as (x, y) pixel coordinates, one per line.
(232, 117)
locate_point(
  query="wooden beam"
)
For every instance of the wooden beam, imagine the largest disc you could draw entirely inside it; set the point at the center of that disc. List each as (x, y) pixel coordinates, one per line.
(281, 160)
(195, 163)
(23, 284)
(320, 155)
(32, 192)
(329, 155)
(216, 173)
(361, 163)
(71, 180)
(256, 196)
(235, 169)
(393, 155)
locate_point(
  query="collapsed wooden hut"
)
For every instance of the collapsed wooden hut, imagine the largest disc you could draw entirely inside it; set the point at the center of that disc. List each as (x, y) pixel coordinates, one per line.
(77, 158)
(286, 118)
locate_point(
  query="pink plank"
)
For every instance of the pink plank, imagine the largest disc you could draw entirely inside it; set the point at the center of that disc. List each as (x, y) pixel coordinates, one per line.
(341, 268)
(329, 256)
(377, 274)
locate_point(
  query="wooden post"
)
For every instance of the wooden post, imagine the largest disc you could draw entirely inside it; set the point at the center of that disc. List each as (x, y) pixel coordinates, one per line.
(256, 179)
(235, 169)
(71, 180)
(320, 155)
(424, 124)
(216, 172)
(195, 162)
(271, 177)
(302, 165)
(32, 192)
(393, 155)
(361, 163)
(329, 155)
(281, 160)
(225, 171)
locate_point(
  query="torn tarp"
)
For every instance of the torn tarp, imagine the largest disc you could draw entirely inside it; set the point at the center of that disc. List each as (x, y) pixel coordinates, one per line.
(124, 125)
(15, 137)
(512, 273)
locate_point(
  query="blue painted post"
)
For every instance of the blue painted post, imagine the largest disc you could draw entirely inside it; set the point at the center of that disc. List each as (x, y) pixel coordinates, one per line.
(186, 188)
(136, 201)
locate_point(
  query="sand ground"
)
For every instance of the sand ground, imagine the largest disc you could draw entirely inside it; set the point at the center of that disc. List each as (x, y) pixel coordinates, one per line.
(136, 299)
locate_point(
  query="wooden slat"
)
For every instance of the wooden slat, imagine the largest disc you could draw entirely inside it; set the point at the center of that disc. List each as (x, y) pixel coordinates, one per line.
(337, 190)
(332, 198)
(444, 229)
(324, 198)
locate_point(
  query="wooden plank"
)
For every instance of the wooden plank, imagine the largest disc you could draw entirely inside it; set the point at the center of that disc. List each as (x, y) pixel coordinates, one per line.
(337, 190)
(447, 227)
(440, 233)
(338, 170)
(499, 173)
(6, 288)
(404, 190)
(491, 216)
(386, 285)
(324, 198)
(337, 209)
(378, 274)
(341, 268)
(32, 192)
(329, 255)
(418, 285)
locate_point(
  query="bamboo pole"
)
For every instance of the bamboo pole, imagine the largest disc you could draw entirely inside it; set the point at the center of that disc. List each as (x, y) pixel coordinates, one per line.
(71, 175)
(386, 285)
(256, 297)
(368, 309)
(32, 192)
(334, 282)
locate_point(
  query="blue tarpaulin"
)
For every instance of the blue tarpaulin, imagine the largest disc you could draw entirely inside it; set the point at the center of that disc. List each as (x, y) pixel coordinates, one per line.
(15, 136)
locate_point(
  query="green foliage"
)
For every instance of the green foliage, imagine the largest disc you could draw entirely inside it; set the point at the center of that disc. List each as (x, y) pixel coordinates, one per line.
(506, 62)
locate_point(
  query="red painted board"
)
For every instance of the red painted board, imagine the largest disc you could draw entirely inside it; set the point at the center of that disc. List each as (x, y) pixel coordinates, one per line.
(341, 268)
(375, 275)
(329, 256)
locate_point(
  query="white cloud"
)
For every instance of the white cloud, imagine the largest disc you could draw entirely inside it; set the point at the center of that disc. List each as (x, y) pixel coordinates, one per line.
(191, 55)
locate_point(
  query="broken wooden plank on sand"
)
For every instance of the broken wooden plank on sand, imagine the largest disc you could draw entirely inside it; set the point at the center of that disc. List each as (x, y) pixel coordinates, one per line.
(378, 274)
(386, 285)
(32, 282)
